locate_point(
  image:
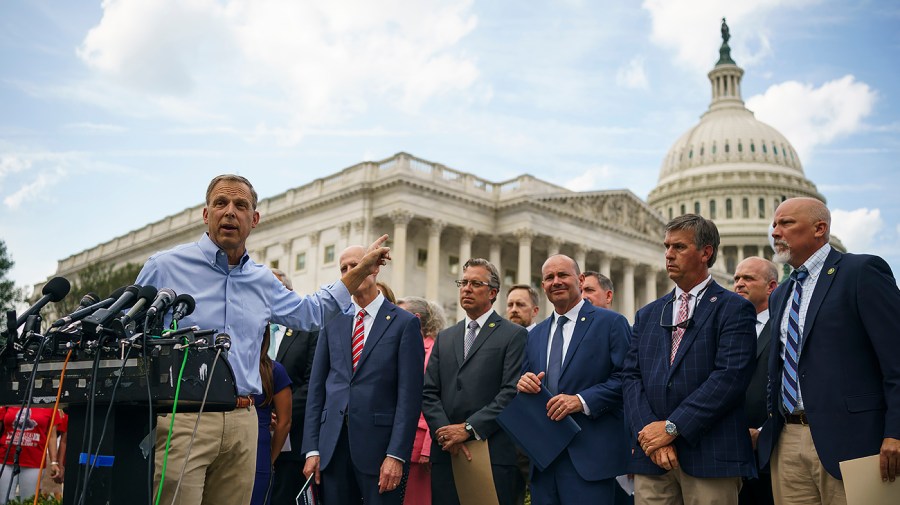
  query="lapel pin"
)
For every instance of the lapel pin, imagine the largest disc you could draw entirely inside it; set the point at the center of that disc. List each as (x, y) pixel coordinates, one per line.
(583, 318)
(713, 299)
(387, 317)
(831, 270)
(491, 325)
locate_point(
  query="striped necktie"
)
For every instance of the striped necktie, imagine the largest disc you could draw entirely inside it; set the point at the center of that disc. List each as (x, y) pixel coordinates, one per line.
(789, 387)
(682, 317)
(358, 337)
(470, 338)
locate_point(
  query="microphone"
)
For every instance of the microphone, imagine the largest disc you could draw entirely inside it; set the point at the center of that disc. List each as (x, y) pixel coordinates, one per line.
(182, 306)
(81, 313)
(145, 294)
(223, 341)
(88, 299)
(164, 298)
(125, 300)
(55, 290)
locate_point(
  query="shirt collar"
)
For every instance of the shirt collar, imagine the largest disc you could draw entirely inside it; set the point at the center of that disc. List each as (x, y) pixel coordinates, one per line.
(572, 314)
(695, 291)
(763, 317)
(372, 308)
(482, 319)
(212, 253)
(815, 262)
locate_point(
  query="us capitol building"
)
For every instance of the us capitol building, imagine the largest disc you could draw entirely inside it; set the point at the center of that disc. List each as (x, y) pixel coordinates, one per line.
(730, 167)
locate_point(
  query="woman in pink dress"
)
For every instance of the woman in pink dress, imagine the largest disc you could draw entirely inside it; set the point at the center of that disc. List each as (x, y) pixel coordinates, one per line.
(418, 485)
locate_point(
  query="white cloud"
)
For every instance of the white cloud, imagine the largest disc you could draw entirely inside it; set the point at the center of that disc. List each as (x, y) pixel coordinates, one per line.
(688, 27)
(34, 189)
(96, 128)
(591, 179)
(11, 164)
(282, 67)
(858, 228)
(811, 116)
(632, 75)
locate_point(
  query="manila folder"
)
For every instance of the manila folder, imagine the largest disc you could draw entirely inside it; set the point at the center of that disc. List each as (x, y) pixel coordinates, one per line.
(863, 484)
(474, 480)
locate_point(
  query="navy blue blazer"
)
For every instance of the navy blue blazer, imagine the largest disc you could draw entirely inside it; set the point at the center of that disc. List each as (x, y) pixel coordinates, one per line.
(381, 400)
(849, 368)
(702, 392)
(592, 368)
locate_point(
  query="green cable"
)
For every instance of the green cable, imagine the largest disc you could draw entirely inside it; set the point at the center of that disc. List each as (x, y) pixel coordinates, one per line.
(162, 477)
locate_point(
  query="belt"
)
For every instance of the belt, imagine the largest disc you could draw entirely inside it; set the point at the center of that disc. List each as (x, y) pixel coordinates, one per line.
(244, 402)
(798, 418)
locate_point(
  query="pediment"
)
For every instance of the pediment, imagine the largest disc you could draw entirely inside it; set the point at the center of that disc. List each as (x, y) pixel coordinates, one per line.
(620, 209)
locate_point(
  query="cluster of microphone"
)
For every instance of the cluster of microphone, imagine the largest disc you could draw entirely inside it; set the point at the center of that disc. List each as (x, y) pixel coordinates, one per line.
(146, 308)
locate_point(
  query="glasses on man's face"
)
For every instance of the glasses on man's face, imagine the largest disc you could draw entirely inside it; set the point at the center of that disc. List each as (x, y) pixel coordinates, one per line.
(474, 284)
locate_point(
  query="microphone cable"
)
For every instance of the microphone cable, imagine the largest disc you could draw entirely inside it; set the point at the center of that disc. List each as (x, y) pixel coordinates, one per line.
(162, 478)
(62, 375)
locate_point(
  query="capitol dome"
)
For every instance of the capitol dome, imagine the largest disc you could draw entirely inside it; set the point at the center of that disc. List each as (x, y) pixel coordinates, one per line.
(731, 168)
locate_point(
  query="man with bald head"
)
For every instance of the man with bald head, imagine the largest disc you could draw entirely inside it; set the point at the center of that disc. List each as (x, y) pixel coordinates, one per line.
(577, 354)
(754, 279)
(834, 369)
(365, 395)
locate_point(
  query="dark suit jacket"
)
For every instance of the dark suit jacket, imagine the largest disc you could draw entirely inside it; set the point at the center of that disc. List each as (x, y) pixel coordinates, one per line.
(381, 399)
(296, 353)
(849, 368)
(477, 388)
(592, 368)
(702, 392)
(755, 399)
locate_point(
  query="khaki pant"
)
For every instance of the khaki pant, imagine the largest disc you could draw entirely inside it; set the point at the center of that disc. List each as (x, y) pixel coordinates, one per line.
(678, 488)
(798, 477)
(222, 463)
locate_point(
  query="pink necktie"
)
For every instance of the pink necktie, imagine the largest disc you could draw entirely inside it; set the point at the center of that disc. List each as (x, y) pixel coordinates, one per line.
(679, 331)
(358, 334)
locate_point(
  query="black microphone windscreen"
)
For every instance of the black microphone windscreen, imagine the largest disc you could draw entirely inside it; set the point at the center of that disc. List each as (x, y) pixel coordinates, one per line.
(117, 293)
(147, 292)
(57, 288)
(89, 299)
(187, 300)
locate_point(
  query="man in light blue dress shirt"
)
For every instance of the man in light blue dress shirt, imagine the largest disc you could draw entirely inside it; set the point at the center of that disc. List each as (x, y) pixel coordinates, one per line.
(237, 296)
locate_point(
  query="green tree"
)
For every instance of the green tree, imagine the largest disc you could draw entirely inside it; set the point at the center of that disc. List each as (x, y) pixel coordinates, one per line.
(100, 278)
(10, 295)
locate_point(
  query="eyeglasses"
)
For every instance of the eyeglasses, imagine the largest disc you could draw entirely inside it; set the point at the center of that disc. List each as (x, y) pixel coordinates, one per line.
(687, 322)
(475, 284)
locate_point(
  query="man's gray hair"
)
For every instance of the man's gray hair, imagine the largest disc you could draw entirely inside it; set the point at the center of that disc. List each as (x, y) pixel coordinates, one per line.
(705, 232)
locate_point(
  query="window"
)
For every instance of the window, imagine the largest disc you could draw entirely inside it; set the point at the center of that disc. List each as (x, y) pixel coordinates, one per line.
(762, 208)
(671, 211)
(696, 207)
(764, 149)
(727, 147)
(752, 147)
(453, 265)
(421, 258)
(712, 209)
(300, 262)
(683, 210)
(745, 208)
(329, 254)
(273, 264)
(714, 148)
(728, 208)
(509, 278)
(740, 147)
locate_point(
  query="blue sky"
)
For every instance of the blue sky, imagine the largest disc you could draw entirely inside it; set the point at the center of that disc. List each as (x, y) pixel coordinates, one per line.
(117, 114)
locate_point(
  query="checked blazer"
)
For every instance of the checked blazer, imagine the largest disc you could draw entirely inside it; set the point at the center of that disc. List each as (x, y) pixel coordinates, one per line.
(702, 392)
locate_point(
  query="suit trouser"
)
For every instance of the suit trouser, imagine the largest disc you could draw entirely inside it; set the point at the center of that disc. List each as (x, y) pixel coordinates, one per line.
(287, 480)
(222, 464)
(798, 477)
(344, 484)
(675, 487)
(560, 484)
(443, 486)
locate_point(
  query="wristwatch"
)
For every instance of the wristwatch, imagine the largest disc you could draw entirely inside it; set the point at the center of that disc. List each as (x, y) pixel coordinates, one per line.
(470, 430)
(671, 429)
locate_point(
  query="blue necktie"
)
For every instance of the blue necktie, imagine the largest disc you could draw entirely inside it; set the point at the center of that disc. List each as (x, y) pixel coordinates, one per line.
(554, 365)
(470, 338)
(789, 389)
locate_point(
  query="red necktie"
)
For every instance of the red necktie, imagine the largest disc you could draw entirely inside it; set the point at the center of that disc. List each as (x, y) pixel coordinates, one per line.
(682, 317)
(358, 337)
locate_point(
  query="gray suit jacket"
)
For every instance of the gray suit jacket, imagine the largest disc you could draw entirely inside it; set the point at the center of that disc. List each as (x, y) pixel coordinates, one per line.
(477, 388)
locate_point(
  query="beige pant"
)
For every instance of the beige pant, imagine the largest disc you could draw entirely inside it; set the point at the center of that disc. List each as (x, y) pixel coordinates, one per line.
(222, 463)
(678, 488)
(798, 477)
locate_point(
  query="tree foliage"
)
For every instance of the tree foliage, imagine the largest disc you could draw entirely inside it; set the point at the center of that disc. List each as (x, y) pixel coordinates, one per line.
(100, 278)
(10, 295)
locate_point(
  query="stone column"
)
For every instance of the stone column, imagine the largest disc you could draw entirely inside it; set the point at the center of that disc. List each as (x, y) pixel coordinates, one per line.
(313, 262)
(401, 219)
(496, 255)
(649, 285)
(526, 237)
(553, 244)
(760, 251)
(740, 254)
(606, 265)
(345, 236)
(465, 246)
(433, 267)
(359, 230)
(581, 257)
(286, 263)
(627, 299)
